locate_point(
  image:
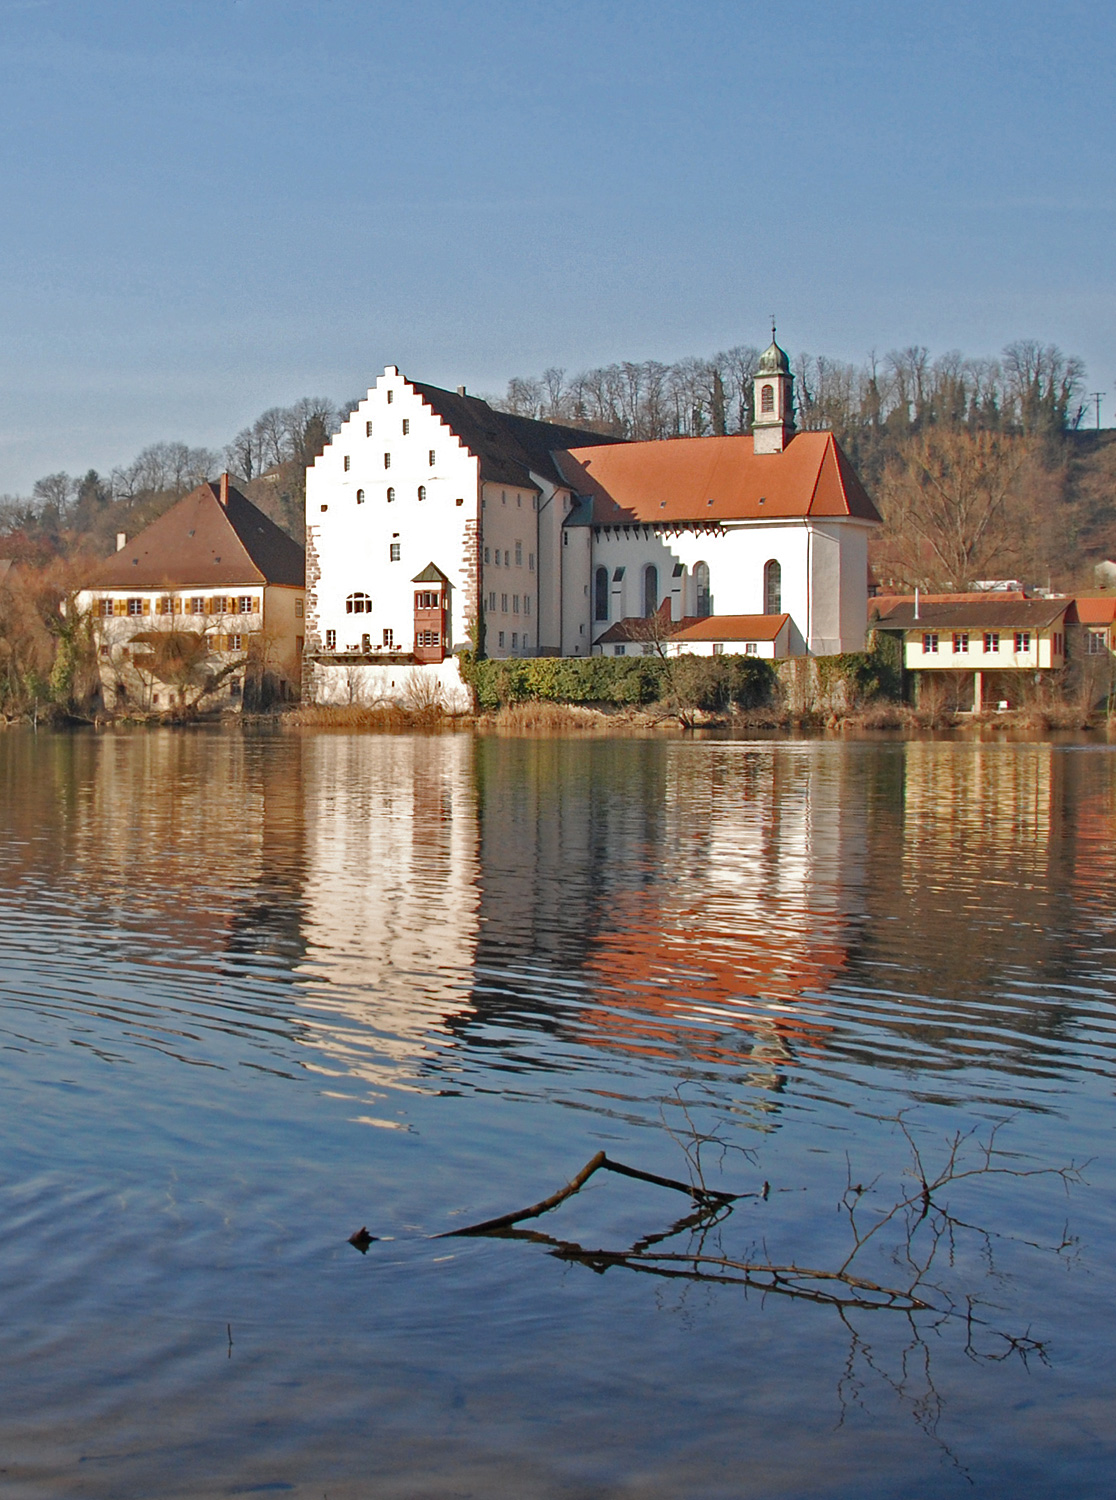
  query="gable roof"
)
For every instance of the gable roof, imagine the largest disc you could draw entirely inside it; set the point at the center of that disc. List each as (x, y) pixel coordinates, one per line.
(717, 479)
(693, 628)
(510, 448)
(202, 543)
(430, 574)
(989, 612)
(1092, 611)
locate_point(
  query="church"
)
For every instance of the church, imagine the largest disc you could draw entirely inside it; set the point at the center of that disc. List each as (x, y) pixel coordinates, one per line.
(436, 524)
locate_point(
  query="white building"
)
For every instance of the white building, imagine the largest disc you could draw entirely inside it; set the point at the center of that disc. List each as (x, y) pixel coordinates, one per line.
(437, 524)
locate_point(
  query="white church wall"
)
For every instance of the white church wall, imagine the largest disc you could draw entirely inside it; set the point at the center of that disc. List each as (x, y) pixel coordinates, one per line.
(577, 626)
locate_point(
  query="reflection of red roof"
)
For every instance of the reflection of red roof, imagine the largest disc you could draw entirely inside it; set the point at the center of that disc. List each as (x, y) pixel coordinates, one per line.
(674, 979)
(717, 479)
(1092, 612)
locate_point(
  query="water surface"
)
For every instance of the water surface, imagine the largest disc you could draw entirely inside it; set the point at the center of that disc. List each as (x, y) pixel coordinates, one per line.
(256, 992)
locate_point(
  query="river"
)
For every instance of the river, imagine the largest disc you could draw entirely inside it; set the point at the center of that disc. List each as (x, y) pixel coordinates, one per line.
(260, 990)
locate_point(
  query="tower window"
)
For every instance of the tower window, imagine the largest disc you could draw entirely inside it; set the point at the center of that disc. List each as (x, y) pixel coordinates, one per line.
(394, 552)
(390, 397)
(348, 463)
(767, 398)
(432, 458)
(368, 429)
(772, 588)
(406, 426)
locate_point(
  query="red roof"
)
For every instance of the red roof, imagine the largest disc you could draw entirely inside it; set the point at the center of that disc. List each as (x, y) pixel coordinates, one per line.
(731, 628)
(717, 479)
(1092, 612)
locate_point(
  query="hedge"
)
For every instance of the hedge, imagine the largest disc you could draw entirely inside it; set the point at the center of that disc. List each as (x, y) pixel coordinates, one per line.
(708, 682)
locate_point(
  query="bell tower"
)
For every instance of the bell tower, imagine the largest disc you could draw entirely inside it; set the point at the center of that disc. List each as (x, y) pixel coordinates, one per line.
(773, 388)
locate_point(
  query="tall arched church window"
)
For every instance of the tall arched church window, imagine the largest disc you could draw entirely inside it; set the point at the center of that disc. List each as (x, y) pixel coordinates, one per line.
(600, 594)
(767, 398)
(358, 604)
(701, 588)
(650, 590)
(772, 588)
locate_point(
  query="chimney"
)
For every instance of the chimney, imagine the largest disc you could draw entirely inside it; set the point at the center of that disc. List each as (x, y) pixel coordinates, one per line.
(461, 390)
(121, 540)
(224, 495)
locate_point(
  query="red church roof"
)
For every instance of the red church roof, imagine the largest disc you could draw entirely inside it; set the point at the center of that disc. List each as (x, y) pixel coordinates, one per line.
(717, 479)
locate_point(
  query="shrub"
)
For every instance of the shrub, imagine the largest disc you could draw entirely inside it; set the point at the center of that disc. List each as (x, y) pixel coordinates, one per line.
(705, 682)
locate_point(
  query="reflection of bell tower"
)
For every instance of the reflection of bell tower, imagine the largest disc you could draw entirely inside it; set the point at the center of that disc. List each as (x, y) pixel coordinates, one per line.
(773, 416)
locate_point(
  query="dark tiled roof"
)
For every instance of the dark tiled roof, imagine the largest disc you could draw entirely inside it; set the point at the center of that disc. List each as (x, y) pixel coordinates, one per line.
(200, 543)
(693, 628)
(430, 574)
(987, 613)
(510, 448)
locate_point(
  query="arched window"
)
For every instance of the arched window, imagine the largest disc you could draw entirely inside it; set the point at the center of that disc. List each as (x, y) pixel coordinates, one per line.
(358, 604)
(422, 492)
(701, 588)
(390, 494)
(650, 590)
(360, 497)
(600, 594)
(772, 588)
(767, 398)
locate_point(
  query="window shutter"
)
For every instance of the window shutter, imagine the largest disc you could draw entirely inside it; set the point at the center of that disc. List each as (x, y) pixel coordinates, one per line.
(147, 606)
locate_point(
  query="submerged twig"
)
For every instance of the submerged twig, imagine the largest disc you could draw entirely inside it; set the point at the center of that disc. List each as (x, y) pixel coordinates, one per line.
(600, 1162)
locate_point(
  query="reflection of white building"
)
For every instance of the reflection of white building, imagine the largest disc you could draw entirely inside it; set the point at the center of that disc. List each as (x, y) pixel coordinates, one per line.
(390, 897)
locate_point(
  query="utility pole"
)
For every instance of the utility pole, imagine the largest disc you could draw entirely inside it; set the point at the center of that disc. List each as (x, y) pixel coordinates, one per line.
(1097, 396)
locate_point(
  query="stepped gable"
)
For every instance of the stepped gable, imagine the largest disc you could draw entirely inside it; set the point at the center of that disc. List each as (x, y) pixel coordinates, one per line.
(510, 448)
(202, 542)
(717, 479)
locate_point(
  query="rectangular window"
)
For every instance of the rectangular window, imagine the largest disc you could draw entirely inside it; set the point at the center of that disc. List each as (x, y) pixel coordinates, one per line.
(503, 604)
(960, 642)
(1022, 640)
(515, 604)
(406, 426)
(492, 600)
(526, 604)
(526, 641)
(387, 460)
(1094, 643)
(368, 429)
(519, 501)
(1058, 643)
(991, 640)
(390, 397)
(300, 609)
(331, 640)
(530, 562)
(394, 552)
(135, 606)
(245, 604)
(106, 607)
(618, 650)
(197, 606)
(235, 642)
(103, 651)
(507, 558)
(432, 458)
(718, 648)
(389, 637)
(347, 462)
(366, 643)
(930, 642)
(503, 497)
(515, 640)
(501, 640)
(519, 554)
(488, 554)
(750, 648)
(496, 557)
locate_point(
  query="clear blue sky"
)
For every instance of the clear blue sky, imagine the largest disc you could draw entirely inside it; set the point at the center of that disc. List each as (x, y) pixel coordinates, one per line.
(216, 206)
